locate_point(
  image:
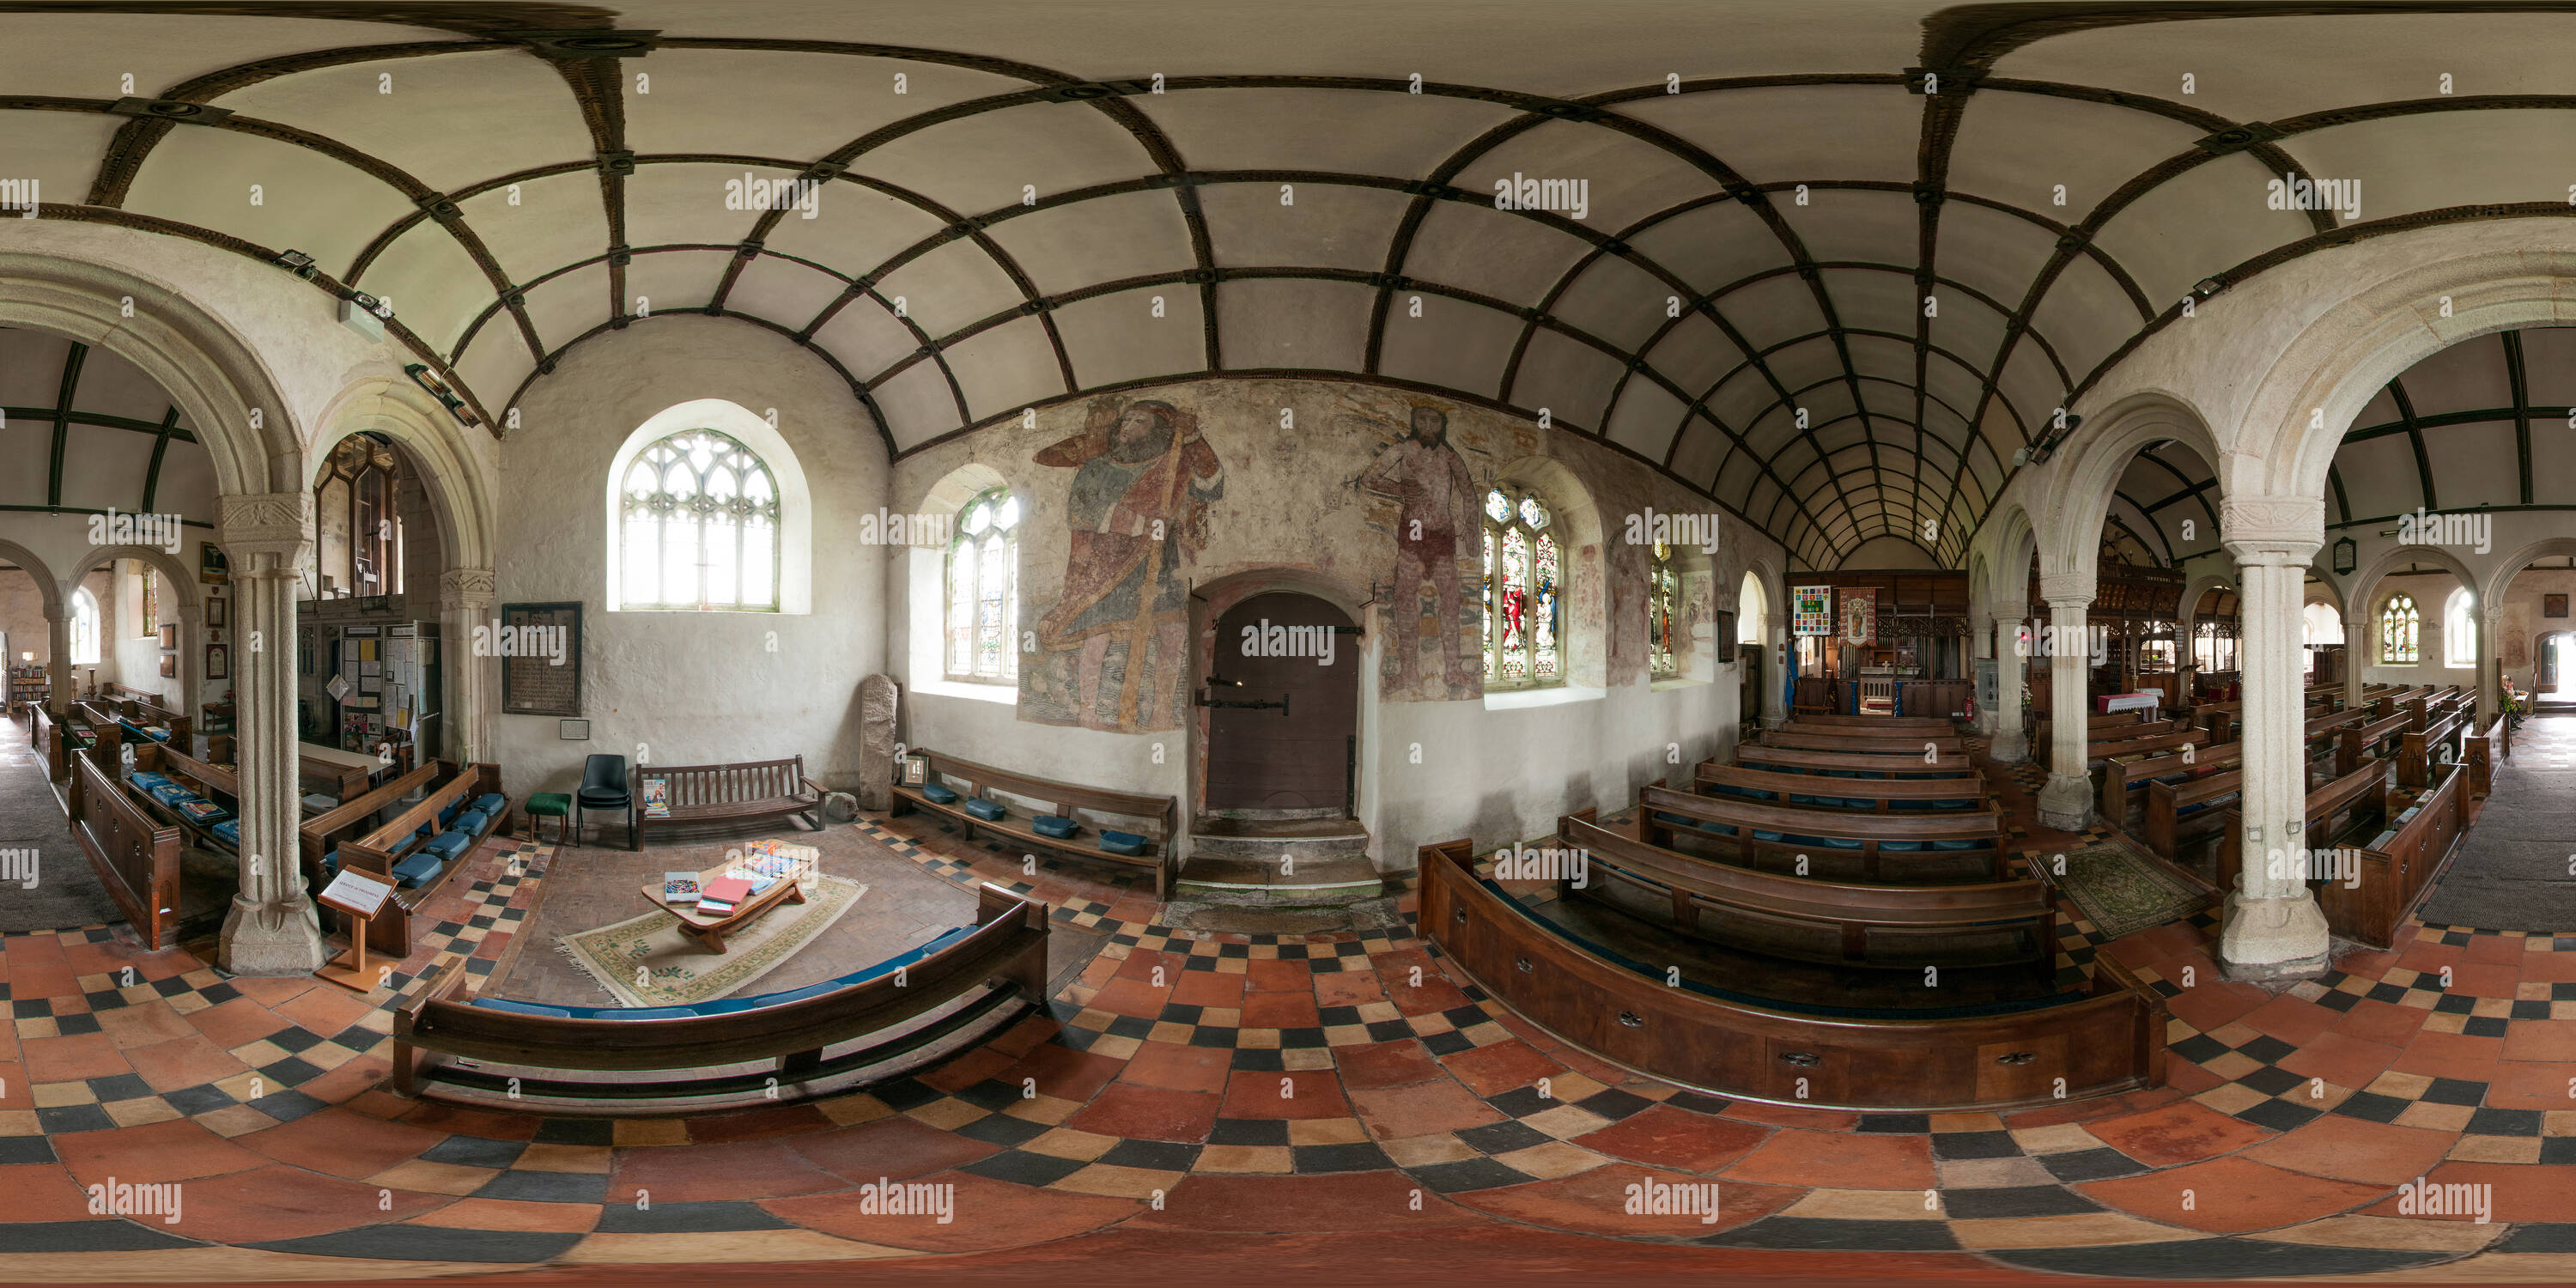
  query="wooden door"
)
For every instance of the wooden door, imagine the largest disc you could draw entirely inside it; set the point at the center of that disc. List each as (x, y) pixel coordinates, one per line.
(1294, 661)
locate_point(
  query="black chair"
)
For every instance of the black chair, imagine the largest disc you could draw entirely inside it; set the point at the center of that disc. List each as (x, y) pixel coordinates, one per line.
(603, 786)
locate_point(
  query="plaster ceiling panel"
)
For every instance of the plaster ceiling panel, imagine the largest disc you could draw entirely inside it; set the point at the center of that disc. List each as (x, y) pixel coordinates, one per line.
(981, 163)
(105, 467)
(1493, 252)
(1116, 337)
(868, 338)
(31, 366)
(61, 53)
(951, 287)
(58, 150)
(206, 176)
(495, 112)
(188, 488)
(1772, 310)
(854, 230)
(1616, 301)
(1796, 133)
(1763, 496)
(1331, 226)
(686, 204)
(2436, 160)
(558, 220)
(680, 279)
(1870, 226)
(1623, 179)
(31, 441)
(1570, 379)
(2032, 385)
(2476, 465)
(1696, 451)
(2085, 316)
(2237, 63)
(111, 385)
(2204, 221)
(2553, 464)
(697, 101)
(565, 307)
(1348, 131)
(783, 290)
(1740, 398)
(2468, 376)
(1871, 301)
(2019, 148)
(1106, 239)
(1997, 253)
(1286, 322)
(1954, 384)
(2549, 367)
(495, 363)
(1694, 354)
(1807, 364)
(1454, 344)
(1883, 358)
(2379, 476)
(917, 404)
(1644, 418)
(1008, 367)
(1966, 326)
(1712, 246)
(435, 288)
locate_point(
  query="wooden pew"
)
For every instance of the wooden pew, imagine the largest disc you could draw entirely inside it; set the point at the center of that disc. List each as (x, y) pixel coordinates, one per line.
(1715, 1037)
(2375, 737)
(730, 793)
(2370, 902)
(1871, 860)
(2124, 776)
(2423, 752)
(147, 711)
(995, 970)
(1821, 723)
(347, 781)
(2168, 824)
(1068, 801)
(1756, 756)
(2485, 751)
(52, 741)
(2123, 722)
(2353, 797)
(136, 858)
(2099, 753)
(318, 835)
(1879, 795)
(1804, 919)
(1898, 744)
(390, 933)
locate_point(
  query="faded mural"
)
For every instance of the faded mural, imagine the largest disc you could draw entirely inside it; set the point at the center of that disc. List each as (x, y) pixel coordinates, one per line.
(1435, 534)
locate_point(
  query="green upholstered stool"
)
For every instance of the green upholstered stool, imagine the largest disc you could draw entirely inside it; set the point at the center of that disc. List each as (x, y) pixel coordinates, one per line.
(553, 805)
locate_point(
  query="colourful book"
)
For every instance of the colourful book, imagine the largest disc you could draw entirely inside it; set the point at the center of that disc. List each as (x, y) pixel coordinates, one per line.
(728, 890)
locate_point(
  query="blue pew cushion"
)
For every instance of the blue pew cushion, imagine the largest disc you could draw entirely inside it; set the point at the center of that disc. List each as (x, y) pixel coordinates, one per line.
(230, 831)
(147, 780)
(1055, 825)
(989, 811)
(939, 794)
(448, 815)
(447, 845)
(1958, 845)
(471, 822)
(418, 869)
(489, 804)
(520, 1008)
(199, 810)
(1127, 843)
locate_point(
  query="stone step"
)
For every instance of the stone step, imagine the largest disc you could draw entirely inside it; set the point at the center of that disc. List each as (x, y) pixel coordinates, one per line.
(1279, 872)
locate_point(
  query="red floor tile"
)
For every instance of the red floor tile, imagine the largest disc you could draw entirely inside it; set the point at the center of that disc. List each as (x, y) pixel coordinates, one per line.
(2183, 1132)
(2352, 1149)
(340, 1143)
(90, 1055)
(1667, 1137)
(2342, 1061)
(1134, 1112)
(1385, 1064)
(898, 1147)
(1839, 1160)
(987, 1214)
(1595, 1202)
(177, 1150)
(1174, 1067)
(757, 1169)
(2387, 1022)
(2294, 1020)
(1394, 1112)
(1309, 1094)
(1350, 1201)
(1504, 1066)
(2230, 1196)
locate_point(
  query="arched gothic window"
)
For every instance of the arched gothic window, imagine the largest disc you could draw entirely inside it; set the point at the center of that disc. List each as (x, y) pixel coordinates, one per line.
(701, 527)
(2398, 627)
(2459, 635)
(1524, 593)
(984, 590)
(1663, 595)
(84, 628)
(151, 601)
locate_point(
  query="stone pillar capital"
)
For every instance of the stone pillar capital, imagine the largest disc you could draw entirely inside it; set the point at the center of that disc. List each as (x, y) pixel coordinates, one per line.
(269, 529)
(465, 588)
(2065, 589)
(2278, 531)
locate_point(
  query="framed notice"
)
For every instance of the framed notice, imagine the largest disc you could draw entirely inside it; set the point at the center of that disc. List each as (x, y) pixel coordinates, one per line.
(219, 662)
(1725, 637)
(1812, 609)
(170, 635)
(213, 568)
(531, 683)
(2553, 605)
(1860, 615)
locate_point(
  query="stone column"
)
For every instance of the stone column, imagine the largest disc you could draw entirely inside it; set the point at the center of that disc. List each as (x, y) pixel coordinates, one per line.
(2490, 625)
(2360, 648)
(1981, 642)
(192, 665)
(2274, 929)
(2066, 803)
(464, 601)
(2011, 744)
(58, 659)
(271, 929)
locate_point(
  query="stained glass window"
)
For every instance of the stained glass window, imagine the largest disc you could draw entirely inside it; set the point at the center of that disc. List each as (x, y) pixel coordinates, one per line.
(84, 628)
(701, 519)
(1662, 593)
(2398, 625)
(151, 601)
(984, 590)
(1524, 594)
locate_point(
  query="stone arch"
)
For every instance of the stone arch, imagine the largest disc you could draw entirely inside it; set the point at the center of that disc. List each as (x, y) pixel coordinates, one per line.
(459, 487)
(48, 587)
(2492, 593)
(922, 570)
(2361, 604)
(1584, 543)
(1208, 602)
(752, 430)
(191, 600)
(2079, 500)
(208, 371)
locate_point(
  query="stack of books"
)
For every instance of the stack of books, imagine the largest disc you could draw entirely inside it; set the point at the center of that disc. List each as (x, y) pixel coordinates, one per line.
(723, 895)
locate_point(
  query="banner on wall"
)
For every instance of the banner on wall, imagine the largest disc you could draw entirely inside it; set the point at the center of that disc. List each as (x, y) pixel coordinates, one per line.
(1814, 609)
(1860, 615)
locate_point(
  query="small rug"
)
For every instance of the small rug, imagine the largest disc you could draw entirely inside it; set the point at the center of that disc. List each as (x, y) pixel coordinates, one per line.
(2120, 887)
(676, 971)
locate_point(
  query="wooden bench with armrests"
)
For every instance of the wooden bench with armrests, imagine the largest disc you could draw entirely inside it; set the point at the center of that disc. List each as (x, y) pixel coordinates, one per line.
(2339, 806)
(1807, 919)
(1083, 839)
(1840, 844)
(2381, 882)
(1876, 795)
(750, 789)
(424, 845)
(1867, 764)
(322, 833)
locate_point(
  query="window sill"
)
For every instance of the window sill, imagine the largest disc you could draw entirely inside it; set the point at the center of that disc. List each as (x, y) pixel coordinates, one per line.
(1684, 681)
(1001, 694)
(1558, 695)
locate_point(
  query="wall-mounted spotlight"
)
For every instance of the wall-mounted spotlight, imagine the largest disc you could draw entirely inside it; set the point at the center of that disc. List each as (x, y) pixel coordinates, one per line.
(296, 262)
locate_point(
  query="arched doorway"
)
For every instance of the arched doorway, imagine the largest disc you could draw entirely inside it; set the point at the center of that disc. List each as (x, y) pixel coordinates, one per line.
(1282, 692)
(2554, 660)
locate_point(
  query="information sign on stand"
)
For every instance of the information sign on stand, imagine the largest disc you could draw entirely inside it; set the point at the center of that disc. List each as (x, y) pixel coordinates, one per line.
(360, 896)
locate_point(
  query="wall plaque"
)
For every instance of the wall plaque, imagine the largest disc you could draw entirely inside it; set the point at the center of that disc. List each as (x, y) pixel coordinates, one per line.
(531, 683)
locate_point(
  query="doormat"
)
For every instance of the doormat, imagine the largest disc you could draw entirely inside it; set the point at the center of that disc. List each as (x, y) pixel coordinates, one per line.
(676, 971)
(2121, 888)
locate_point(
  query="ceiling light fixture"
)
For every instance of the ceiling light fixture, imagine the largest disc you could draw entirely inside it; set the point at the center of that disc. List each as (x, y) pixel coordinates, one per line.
(296, 262)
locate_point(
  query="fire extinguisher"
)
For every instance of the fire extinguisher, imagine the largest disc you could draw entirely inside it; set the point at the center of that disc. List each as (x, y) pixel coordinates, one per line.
(1972, 706)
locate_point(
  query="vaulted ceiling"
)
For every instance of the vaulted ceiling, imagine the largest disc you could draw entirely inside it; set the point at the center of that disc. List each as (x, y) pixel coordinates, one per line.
(1835, 302)
(87, 431)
